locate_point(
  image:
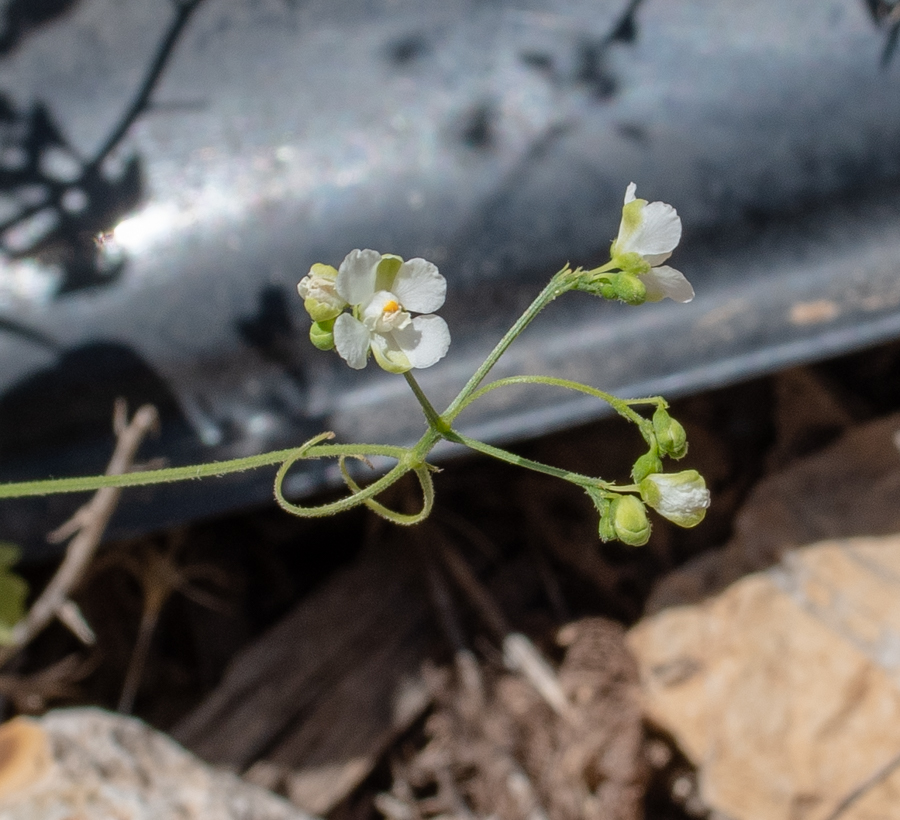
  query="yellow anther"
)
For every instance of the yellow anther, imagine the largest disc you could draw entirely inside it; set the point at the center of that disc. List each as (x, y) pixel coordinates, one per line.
(391, 307)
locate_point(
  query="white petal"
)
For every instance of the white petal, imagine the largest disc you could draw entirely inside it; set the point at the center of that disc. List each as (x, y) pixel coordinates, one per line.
(426, 342)
(630, 193)
(388, 353)
(680, 497)
(659, 231)
(351, 339)
(356, 276)
(419, 286)
(665, 281)
(656, 259)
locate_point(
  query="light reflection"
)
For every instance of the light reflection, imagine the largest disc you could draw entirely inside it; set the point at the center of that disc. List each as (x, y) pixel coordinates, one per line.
(139, 231)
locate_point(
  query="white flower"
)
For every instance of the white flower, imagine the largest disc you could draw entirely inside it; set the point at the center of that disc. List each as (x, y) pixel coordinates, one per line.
(648, 234)
(680, 497)
(382, 290)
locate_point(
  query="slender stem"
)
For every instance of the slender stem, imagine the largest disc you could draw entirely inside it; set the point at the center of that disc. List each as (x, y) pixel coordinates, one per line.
(434, 420)
(215, 468)
(555, 287)
(621, 406)
(527, 463)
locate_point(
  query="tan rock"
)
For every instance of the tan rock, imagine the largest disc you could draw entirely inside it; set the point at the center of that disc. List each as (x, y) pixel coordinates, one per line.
(87, 764)
(849, 488)
(24, 755)
(785, 689)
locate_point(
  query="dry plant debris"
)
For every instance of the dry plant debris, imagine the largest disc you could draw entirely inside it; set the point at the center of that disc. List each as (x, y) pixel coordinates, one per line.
(497, 749)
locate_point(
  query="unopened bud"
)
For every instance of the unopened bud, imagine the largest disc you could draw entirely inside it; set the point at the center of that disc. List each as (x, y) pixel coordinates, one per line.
(321, 334)
(629, 517)
(645, 465)
(670, 435)
(320, 297)
(630, 289)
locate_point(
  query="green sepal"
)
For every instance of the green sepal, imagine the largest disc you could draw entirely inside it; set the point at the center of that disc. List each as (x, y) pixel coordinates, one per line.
(680, 497)
(607, 528)
(646, 465)
(597, 285)
(321, 334)
(632, 263)
(321, 312)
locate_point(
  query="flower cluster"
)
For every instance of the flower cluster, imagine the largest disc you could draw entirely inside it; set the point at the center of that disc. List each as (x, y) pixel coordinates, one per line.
(380, 304)
(681, 497)
(382, 291)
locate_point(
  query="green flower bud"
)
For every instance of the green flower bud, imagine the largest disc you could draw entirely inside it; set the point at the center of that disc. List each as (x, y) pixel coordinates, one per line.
(630, 521)
(670, 435)
(630, 289)
(320, 298)
(680, 497)
(645, 465)
(321, 334)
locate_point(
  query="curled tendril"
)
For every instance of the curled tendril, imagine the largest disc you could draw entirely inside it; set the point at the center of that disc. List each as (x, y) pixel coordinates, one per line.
(313, 449)
(423, 474)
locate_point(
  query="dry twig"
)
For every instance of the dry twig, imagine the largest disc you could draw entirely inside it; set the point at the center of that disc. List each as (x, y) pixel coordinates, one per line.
(86, 528)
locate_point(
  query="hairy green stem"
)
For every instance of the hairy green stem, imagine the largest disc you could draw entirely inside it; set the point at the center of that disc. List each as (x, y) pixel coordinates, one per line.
(434, 420)
(215, 468)
(527, 463)
(621, 406)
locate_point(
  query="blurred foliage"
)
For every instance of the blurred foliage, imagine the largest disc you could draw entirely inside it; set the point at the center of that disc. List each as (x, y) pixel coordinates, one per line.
(13, 592)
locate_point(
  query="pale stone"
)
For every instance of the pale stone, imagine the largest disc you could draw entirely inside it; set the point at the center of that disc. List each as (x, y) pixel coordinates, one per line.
(785, 689)
(103, 766)
(850, 488)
